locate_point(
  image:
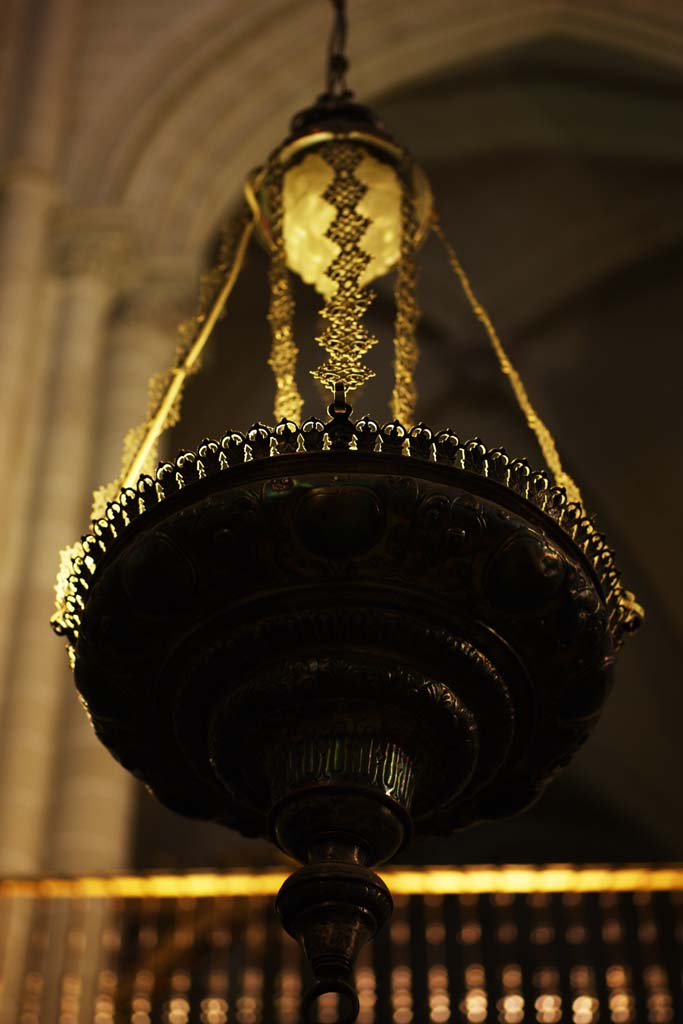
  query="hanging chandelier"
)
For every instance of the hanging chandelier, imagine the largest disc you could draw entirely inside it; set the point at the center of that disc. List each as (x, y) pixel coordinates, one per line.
(333, 632)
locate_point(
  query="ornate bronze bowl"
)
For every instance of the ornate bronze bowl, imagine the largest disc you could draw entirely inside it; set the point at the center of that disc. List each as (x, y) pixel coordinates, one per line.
(337, 635)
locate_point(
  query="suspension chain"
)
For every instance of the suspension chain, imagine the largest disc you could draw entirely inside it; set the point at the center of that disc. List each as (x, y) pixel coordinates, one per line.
(337, 61)
(284, 351)
(545, 439)
(404, 397)
(166, 388)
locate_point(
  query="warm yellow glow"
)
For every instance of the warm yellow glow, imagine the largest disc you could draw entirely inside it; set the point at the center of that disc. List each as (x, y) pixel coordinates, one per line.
(305, 220)
(307, 216)
(527, 879)
(408, 881)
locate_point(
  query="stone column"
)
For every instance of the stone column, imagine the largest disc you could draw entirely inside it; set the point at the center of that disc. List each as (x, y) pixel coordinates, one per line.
(27, 180)
(85, 838)
(39, 48)
(92, 254)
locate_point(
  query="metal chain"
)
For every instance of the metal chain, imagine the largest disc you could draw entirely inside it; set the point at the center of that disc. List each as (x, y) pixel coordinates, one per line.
(404, 396)
(631, 610)
(542, 433)
(337, 62)
(284, 351)
(166, 388)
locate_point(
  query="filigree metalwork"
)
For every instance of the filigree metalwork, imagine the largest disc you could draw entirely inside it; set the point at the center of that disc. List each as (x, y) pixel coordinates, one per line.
(404, 396)
(346, 339)
(284, 351)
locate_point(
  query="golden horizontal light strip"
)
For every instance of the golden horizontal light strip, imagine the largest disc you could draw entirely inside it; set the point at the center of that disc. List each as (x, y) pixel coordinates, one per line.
(408, 881)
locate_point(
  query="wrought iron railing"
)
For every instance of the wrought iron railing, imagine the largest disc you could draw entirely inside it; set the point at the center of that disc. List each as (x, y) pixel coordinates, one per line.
(509, 945)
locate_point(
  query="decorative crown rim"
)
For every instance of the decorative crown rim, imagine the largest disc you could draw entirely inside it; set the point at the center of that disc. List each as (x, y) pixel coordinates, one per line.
(338, 433)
